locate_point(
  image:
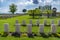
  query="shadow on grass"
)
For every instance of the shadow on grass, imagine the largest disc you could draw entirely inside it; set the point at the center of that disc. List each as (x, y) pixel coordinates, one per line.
(35, 18)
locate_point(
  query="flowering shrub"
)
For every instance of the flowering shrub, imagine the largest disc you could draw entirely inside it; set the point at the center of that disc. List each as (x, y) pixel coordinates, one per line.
(24, 35)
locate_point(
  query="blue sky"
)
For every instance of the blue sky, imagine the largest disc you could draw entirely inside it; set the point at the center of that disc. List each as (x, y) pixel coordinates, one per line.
(27, 4)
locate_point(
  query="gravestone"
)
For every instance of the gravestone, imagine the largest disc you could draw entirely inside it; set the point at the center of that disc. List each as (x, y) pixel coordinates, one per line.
(52, 21)
(45, 22)
(17, 28)
(29, 31)
(6, 30)
(29, 28)
(31, 22)
(41, 28)
(59, 23)
(17, 21)
(53, 28)
(6, 25)
(37, 22)
(24, 23)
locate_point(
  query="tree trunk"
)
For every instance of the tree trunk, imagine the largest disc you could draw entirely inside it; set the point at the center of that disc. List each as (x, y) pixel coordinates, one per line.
(33, 15)
(47, 15)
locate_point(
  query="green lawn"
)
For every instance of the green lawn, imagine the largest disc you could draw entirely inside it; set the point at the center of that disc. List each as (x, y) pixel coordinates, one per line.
(11, 22)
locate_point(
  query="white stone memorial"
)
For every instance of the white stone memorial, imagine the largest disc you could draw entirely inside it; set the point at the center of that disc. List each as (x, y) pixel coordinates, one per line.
(6, 29)
(17, 28)
(29, 28)
(41, 28)
(23, 22)
(45, 22)
(52, 21)
(17, 21)
(31, 21)
(53, 28)
(37, 22)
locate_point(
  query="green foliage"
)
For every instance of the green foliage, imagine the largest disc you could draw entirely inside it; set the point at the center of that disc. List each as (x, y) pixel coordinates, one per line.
(35, 11)
(30, 11)
(48, 11)
(13, 8)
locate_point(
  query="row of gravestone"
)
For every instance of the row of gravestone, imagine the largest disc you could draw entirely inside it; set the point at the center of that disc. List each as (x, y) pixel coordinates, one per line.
(29, 29)
(38, 22)
(9, 15)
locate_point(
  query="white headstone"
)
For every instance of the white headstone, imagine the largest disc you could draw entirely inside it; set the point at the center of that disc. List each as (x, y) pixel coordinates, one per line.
(17, 28)
(29, 28)
(30, 21)
(41, 28)
(6, 25)
(17, 21)
(52, 21)
(59, 23)
(53, 28)
(37, 22)
(45, 22)
(23, 22)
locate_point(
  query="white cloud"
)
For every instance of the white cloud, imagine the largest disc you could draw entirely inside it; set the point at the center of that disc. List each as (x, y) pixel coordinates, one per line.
(56, 3)
(40, 0)
(24, 3)
(21, 4)
(4, 10)
(1, 0)
(48, 2)
(0, 8)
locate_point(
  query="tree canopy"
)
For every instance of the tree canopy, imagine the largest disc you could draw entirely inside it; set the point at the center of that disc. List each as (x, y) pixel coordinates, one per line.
(13, 8)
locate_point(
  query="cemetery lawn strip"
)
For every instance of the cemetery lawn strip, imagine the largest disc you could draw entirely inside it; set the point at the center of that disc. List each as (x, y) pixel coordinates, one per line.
(35, 29)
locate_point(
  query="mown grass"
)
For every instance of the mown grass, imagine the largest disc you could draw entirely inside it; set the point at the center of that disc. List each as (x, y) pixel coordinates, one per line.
(11, 22)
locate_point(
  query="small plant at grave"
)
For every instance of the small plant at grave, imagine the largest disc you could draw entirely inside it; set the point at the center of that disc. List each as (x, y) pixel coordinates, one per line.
(24, 35)
(49, 34)
(23, 25)
(15, 34)
(30, 35)
(55, 34)
(5, 34)
(44, 35)
(35, 34)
